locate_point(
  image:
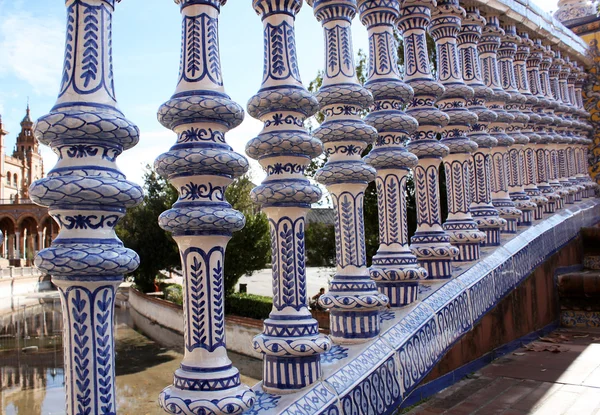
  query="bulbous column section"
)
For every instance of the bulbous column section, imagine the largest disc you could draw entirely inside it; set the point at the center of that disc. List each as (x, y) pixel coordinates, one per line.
(290, 342)
(87, 195)
(488, 47)
(430, 244)
(200, 166)
(516, 153)
(484, 213)
(529, 157)
(460, 226)
(395, 268)
(353, 300)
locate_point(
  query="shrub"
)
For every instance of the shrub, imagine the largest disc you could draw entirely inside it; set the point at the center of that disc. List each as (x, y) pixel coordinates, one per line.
(248, 305)
(320, 245)
(174, 293)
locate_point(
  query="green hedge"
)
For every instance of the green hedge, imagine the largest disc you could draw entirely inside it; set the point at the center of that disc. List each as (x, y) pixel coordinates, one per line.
(248, 305)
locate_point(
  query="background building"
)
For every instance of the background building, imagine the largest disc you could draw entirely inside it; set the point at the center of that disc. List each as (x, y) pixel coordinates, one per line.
(26, 227)
(581, 16)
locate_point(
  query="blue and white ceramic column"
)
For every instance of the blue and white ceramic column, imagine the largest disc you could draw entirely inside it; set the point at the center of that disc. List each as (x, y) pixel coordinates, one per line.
(87, 195)
(480, 168)
(200, 166)
(290, 342)
(583, 117)
(353, 300)
(577, 128)
(560, 82)
(546, 149)
(563, 81)
(529, 157)
(431, 243)
(516, 152)
(488, 47)
(460, 226)
(395, 268)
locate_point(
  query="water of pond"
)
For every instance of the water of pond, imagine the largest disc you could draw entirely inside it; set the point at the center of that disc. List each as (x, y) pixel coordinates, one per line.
(32, 371)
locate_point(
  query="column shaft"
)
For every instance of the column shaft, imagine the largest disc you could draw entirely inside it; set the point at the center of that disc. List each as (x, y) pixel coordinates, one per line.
(352, 300)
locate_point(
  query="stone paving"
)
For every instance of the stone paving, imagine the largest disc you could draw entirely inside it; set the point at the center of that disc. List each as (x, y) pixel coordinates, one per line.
(558, 374)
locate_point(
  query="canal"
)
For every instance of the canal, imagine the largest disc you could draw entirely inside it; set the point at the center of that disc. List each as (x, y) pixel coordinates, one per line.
(32, 371)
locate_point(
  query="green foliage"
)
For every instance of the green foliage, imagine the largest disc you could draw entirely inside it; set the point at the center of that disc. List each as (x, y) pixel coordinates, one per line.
(139, 231)
(248, 250)
(248, 305)
(174, 293)
(320, 245)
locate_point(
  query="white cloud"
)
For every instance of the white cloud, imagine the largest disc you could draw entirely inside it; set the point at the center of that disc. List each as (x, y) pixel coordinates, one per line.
(31, 49)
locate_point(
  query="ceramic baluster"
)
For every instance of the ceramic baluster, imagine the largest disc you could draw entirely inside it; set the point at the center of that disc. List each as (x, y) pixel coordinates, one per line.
(488, 46)
(290, 342)
(431, 243)
(460, 226)
(572, 149)
(484, 213)
(87, 195)
(395, 268)
(353, 300)
(558, 79)
(583, 115)
(554, 139)
(575, 130)
(200, 166)
(516, 153)
(529, 157)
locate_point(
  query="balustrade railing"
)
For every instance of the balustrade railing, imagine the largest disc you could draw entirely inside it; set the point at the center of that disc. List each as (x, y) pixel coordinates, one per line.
(503, 117)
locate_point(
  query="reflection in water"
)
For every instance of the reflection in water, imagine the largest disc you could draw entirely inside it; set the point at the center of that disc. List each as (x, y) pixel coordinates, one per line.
(31, 364)
(31, 360)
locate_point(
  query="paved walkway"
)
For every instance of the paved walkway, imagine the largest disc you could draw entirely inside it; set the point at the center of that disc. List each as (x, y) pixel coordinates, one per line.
(556, 375)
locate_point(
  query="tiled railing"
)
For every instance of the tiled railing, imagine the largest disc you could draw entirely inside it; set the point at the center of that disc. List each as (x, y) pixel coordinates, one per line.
(374, 378)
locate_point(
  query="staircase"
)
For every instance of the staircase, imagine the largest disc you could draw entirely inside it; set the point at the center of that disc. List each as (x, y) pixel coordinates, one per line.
(579, 291)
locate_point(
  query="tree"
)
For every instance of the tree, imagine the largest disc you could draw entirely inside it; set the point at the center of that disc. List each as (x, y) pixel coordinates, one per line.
(139, 231)
(247, 250)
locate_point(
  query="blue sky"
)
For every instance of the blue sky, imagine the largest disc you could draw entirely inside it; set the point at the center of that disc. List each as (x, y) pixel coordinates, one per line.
(146, 57)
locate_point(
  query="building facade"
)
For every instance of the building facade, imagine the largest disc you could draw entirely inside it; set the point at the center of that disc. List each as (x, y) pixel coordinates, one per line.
(581, 16)
(27, 228)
